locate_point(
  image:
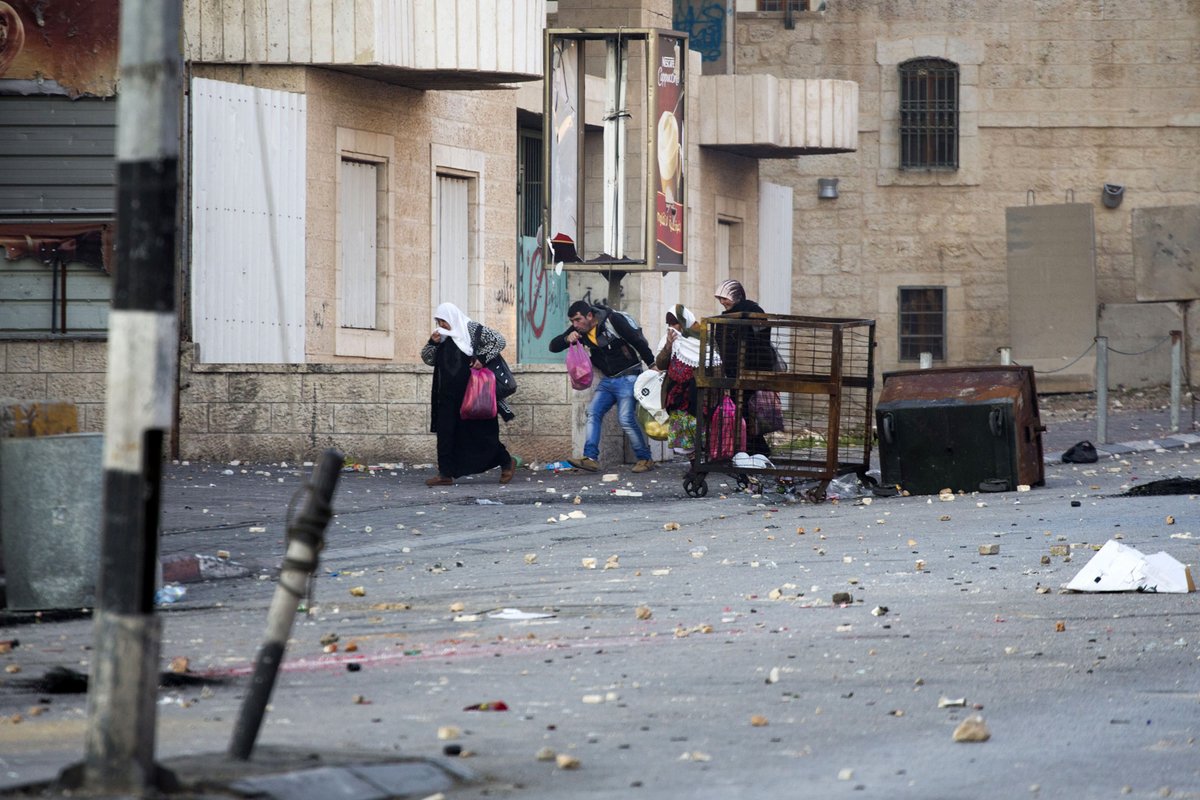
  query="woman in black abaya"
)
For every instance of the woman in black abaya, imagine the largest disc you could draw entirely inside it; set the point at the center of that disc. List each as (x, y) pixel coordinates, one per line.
(464, 446)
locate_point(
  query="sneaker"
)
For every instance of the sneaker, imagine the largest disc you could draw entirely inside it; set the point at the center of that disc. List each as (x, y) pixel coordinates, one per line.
(645, 465)
(586, 463)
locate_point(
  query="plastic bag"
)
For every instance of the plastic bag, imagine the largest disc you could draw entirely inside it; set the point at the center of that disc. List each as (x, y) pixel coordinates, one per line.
(725, 420)
(479, 401)
(579, 366)
(659, 430)
(1081, 453)
(648, 391)
(766, 412)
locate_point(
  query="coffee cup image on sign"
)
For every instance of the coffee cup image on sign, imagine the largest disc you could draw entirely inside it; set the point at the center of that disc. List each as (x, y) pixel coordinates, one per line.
(668, 154)
(12, 36)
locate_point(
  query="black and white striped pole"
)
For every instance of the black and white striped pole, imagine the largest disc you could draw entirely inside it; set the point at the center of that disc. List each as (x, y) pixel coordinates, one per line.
(142, 354)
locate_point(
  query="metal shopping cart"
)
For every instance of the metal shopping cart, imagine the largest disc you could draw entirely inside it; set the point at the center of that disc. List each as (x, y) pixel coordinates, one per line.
(783, 396)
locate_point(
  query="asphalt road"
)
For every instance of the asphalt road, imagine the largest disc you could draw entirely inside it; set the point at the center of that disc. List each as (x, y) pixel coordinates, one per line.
(745, 680)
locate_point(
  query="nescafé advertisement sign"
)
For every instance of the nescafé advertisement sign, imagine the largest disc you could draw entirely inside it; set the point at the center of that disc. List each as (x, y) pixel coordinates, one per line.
(669, 200)
(59, 46)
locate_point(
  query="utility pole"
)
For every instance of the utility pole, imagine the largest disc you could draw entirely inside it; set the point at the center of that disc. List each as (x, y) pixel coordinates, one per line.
(142, 352)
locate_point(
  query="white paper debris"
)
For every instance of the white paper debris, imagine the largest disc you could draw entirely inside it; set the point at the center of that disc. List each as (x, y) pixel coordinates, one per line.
(1120, 568)
(517, 614)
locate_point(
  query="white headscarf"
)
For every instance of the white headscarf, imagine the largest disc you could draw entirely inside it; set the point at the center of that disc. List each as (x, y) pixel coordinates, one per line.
(457, 320)
(686, 347)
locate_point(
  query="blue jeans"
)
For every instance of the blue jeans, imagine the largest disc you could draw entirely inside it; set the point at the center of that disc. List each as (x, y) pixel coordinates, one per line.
(618, 392)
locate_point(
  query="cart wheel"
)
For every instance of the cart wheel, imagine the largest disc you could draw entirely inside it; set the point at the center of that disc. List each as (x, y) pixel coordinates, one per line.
(817, 493)
(695, 485)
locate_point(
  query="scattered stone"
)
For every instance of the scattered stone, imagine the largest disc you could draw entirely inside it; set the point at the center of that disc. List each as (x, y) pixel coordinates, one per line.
(448, 733)
(545, 754)
(989, 549)
(671, 526)
(972, 729)
(452, 750)
(588, 563)
(758, 721)
(1060, 626)
(531, 558)
(457, 606)
(846, 774)
(1060, 550)
(879, 611)
(358, 591)
(566, 761)
(920, 564)
(178, 665)
(946, 702)
(842, 598)
(1170, 520)
(643, 612)
(773, 675)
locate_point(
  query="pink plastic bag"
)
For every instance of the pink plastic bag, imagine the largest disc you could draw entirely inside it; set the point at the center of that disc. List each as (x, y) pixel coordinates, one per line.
(479, 401)
(579, 366)
(725, 420)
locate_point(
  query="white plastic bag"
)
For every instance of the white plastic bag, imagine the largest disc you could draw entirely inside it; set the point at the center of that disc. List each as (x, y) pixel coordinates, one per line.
(648, 391)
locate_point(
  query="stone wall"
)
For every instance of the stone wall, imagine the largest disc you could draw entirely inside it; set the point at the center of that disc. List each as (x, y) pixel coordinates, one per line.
(371, 412)
(62, 370)
(1057, 99)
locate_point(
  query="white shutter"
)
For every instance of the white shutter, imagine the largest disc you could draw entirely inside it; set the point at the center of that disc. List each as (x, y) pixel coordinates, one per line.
(359, 266)
(775, 247)
(248, 226)
(453, 234)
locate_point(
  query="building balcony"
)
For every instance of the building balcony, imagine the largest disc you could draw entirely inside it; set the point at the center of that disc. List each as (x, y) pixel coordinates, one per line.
(422, 44)
(767, 117)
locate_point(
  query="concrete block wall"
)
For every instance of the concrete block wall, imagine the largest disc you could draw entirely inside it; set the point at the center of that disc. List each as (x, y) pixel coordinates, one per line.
(371, 412)
(59, 371)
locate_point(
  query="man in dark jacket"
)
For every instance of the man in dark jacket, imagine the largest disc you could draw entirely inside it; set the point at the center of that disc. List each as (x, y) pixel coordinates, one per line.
(618, 349)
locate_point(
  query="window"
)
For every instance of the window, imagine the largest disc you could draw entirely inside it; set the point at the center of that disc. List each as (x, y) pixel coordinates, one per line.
(922, 322)
(57, 188)
(529, 181)
(365, 273)
(359, 251)
(797, 5)
(457, 197)
(928, 114)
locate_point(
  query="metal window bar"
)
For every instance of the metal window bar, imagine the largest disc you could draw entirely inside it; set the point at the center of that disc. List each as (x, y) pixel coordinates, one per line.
(922, 322)
(530, 183)
(781, 5)
(929, 114)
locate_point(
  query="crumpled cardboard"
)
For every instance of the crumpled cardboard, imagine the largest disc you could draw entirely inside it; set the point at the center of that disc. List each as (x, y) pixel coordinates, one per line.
(1120, 568)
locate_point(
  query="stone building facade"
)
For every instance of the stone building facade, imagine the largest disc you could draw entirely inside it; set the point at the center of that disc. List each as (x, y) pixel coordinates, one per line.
(1055, 101)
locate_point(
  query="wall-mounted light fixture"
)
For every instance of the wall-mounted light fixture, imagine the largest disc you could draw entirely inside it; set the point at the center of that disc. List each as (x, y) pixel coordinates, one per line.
(827, 188)
(1113, 194)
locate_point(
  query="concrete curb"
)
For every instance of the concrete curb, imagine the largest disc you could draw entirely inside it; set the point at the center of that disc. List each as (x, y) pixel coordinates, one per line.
(1113, 449)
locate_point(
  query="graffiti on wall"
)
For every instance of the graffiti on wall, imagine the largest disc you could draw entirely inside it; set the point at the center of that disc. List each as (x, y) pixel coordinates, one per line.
(541, 305)
(706, 24)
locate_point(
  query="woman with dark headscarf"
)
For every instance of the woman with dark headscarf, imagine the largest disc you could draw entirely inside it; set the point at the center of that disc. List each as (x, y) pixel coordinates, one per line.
(464, 446)
(746, 345)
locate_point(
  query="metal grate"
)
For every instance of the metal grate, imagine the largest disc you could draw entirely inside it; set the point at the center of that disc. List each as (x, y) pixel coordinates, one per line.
(822, 370)
(929, 114)
(529, 182)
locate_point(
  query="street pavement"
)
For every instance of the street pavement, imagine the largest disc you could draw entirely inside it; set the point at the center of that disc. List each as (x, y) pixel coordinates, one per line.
(689, 648)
